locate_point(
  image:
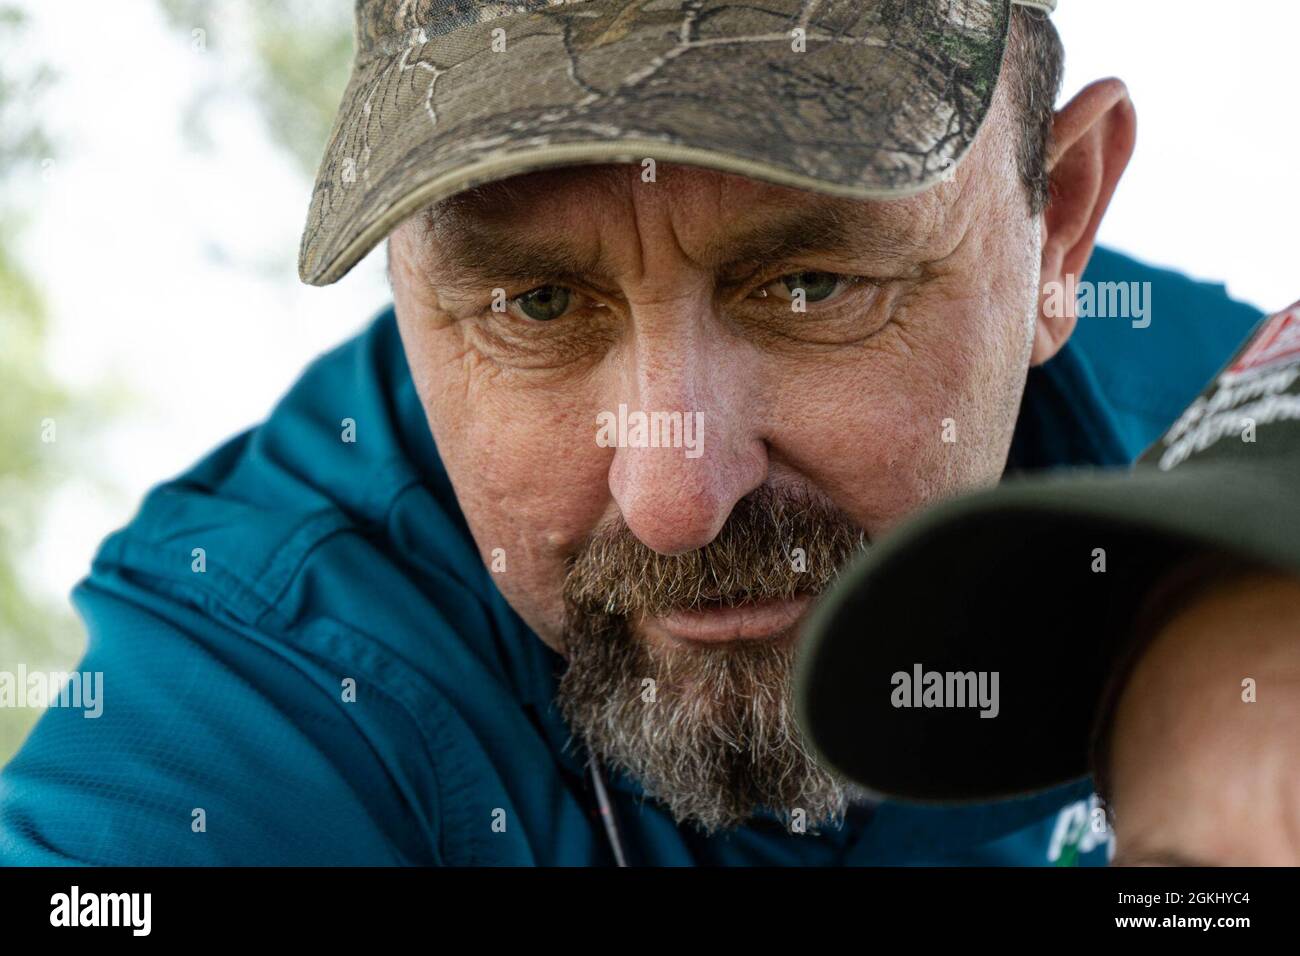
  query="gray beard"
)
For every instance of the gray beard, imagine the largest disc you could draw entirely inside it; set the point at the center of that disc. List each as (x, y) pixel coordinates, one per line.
(708, 731)
(713, 738)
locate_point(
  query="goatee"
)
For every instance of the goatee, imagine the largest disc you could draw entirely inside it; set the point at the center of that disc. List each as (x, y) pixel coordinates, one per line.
(707, 730)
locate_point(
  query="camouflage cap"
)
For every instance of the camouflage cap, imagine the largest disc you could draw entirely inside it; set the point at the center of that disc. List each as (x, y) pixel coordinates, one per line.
(859, 98)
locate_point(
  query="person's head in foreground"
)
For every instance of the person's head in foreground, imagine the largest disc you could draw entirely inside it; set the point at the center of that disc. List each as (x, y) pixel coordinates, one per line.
(802, 353)
(1198, 754)
(1141, 628)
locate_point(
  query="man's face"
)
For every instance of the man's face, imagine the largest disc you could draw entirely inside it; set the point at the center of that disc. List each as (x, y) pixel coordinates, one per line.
(804, 432)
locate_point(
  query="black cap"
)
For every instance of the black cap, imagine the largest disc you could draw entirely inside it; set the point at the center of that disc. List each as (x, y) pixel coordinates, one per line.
(1012, 607)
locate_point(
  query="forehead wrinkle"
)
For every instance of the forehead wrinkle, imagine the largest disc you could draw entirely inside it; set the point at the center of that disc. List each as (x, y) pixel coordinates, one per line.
(474, 242)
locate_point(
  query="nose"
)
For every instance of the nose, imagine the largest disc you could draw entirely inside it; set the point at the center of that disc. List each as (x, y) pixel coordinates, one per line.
(690, 443)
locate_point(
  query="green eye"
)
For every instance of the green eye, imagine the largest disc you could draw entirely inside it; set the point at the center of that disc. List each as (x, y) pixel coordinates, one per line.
(816, 285)
(544, 303)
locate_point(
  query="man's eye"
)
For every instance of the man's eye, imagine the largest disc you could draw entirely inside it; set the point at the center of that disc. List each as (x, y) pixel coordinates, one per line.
(542, 304)
(816, 286)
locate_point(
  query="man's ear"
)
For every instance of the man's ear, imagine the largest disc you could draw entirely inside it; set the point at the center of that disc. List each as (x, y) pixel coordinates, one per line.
(1092, 142)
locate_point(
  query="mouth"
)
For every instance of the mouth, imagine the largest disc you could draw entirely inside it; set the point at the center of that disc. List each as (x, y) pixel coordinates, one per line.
(754, 621)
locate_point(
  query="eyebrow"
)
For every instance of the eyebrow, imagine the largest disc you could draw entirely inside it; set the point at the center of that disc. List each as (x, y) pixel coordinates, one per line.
(472, 258)
(788, 236)
(1156, 858)
(474, 253)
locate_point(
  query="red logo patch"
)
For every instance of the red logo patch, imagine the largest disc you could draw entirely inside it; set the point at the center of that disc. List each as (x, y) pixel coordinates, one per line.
(1277, 343)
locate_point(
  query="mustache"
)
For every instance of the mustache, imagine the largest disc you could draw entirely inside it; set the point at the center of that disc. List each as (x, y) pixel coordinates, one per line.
(775, 544)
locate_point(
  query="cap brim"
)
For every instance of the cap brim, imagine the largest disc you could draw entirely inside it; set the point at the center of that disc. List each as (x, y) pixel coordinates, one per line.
(1008, 581)
(866, 109)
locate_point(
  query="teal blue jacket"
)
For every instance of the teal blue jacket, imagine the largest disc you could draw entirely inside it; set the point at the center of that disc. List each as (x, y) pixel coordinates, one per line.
(227, 737)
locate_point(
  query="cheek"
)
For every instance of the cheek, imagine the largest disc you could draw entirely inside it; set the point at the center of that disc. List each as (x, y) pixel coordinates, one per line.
(922, 411)
(526, 469)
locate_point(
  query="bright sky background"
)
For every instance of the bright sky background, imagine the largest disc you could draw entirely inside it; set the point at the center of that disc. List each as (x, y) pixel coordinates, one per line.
(151, 255)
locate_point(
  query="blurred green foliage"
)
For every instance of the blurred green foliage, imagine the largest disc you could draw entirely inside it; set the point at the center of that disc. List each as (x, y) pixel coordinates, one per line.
(291, 57)
(37, 631)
